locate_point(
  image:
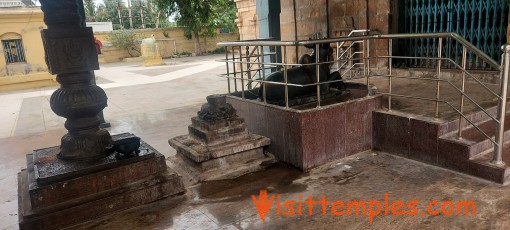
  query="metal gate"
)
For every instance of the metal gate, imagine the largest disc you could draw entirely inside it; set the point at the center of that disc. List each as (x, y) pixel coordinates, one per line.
(482, 22)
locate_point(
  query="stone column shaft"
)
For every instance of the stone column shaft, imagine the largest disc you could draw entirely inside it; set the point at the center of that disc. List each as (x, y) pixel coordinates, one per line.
(71, 55)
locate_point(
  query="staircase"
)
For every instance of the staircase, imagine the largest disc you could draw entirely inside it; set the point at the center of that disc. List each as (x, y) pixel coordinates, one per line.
(435, 142)
(415, 130)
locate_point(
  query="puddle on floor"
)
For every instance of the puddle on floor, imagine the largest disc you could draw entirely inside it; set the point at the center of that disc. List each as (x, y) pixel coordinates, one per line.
(276, 179)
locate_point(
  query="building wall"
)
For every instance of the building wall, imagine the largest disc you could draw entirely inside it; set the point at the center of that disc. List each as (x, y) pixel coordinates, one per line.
(24, 23)
(247, 21)
(165, 44)
(311, 17)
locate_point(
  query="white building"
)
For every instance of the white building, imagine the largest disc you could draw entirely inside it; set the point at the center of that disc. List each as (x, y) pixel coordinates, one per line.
(16, 3)
(101, 26)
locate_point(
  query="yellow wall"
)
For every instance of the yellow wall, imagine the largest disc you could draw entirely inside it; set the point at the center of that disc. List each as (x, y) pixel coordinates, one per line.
(166, 46)
(24, 23)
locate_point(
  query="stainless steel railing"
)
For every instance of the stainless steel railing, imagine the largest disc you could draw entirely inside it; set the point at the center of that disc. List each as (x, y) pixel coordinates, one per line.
(366, 58)
(345, 55)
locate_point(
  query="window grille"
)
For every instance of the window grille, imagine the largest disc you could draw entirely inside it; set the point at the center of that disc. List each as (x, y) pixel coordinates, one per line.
(13, 51)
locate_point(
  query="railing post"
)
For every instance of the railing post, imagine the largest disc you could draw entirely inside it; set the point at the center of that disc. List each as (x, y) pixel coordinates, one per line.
(242, 71)
(258, 59)
(350, 62)
(364, 56)
(262, 84)
(338, 56)
(390, 62)
(317, 60)
(439, 54)
(285, 77)
(234, 66)
(248, 66)
(228, 70)
(498, 149)
(461, 107)
(368, 67)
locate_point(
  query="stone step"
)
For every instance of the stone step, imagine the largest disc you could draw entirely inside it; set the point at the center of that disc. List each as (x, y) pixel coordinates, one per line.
(477, 118)
(481, 166)
(132, 195)
(219, 136)
(429, 140)
(473, 142)
(220, 169)
(199, 152)
(53, 193)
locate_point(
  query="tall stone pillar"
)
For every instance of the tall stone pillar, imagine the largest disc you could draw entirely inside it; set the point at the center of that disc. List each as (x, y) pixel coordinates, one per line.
(91, 174)
(71, 55)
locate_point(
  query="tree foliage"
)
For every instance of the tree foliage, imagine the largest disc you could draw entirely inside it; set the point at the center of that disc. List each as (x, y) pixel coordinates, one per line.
(200, 17)
(90, 10)
(125, 39)
(109, 12)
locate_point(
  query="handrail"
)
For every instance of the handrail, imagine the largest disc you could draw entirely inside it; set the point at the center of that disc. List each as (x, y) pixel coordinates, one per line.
(449, 105)
(353, 32)
(500, 95)
(452, 35)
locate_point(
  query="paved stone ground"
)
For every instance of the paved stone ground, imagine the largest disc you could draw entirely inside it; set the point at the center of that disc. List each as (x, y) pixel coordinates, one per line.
(156, 104)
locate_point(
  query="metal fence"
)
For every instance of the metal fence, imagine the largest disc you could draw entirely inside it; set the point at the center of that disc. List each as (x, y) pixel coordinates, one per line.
(239, 73)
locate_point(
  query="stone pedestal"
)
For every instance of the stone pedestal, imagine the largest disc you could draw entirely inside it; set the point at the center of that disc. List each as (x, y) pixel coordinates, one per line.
(53, 193)
(150, 53)
(152, 61)
(218, 145)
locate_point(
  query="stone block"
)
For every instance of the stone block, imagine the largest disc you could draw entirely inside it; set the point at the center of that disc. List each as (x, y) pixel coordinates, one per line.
(218, 144)
(199, 152)
(54, 194)
(152, 61)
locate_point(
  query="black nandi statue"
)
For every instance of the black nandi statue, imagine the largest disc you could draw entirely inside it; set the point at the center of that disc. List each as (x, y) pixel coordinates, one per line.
(302, 75)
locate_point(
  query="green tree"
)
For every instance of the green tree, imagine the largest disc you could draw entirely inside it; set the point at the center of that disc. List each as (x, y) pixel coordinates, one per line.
(125, 39)
(90, 10)
(200, 17)
(153, 17)
(108, 12)
(225, 15)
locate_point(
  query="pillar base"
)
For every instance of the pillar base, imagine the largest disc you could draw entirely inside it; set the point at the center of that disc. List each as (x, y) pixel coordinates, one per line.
(53, 193)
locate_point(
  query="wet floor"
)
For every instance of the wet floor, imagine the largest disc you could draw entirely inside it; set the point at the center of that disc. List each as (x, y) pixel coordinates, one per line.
(228, 204)
(157, 112)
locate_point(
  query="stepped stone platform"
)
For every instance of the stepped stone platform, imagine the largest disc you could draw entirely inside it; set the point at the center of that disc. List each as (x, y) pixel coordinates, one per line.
(411, 129)
(218, 145)
(53, 193)
(306, 136)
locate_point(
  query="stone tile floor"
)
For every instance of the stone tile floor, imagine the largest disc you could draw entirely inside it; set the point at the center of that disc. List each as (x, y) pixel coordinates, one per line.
(158, 107)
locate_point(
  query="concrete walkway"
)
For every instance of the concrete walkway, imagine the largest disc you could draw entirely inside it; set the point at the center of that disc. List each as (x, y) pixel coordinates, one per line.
(146, 94)
(157, 103)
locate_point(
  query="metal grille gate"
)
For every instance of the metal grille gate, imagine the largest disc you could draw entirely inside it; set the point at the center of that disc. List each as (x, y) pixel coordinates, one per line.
(13, 51)
(482, 22)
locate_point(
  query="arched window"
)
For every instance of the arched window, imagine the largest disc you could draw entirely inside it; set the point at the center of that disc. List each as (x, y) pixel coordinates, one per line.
(12, 46)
